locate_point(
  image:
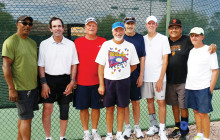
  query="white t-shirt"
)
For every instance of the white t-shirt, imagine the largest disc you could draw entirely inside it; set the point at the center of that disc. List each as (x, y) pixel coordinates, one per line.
(200, 65)
(57, 58)
(155, 49)
(117, 59)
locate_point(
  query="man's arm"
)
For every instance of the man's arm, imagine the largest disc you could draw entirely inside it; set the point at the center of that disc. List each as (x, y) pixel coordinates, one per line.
(45, 91)
(214, 78)
(6, 67)
(69, 87)
(101, 88)
(159, 84)
(141, 76)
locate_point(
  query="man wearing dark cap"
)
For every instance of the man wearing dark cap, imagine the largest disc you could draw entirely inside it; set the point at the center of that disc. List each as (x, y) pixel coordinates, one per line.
(180, 45)
(136, 77)
(19, 54)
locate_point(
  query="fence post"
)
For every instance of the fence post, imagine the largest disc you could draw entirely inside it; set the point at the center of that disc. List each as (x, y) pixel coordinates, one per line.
(168, 15)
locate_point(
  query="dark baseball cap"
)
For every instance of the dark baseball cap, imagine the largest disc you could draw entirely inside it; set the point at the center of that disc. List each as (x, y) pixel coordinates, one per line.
(175, 22)
(23, 17)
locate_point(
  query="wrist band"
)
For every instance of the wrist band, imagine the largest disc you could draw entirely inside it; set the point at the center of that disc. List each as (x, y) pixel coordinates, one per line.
(43, 80)
(73, 80)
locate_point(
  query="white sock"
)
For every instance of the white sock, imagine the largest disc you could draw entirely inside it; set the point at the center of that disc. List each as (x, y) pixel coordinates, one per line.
(86, 132)
(127, 125)
(50, 138)
(136, 126)
(119, 133)
(206, 139)
(109, 134)
(61, 138)
(162, 126)
(94, 131)
(200, 134)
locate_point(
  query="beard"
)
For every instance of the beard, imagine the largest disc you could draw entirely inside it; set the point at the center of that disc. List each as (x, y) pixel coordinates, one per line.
(118, 38)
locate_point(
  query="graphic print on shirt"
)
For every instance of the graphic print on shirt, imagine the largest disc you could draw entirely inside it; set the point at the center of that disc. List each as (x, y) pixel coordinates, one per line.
(117, 59)
(175, 48)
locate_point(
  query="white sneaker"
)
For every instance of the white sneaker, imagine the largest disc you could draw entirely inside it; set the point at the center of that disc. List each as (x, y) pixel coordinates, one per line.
(108, 137)
(87, 137)
(96, 136)
(198, 138)
(138, 132)
(163, 135)
(152, 130)
(119, 137)
(127, 132)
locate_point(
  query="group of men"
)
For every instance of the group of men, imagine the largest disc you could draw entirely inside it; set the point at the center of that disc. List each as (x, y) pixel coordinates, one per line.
(108, 73)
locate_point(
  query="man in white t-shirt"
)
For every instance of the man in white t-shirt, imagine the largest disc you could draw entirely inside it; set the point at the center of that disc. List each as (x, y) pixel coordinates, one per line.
(117, 58)
(57, 63)
(200, 82)
(157, 50)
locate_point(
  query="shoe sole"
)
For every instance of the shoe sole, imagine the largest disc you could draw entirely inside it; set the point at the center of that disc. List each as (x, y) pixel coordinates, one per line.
(174, 136)
(152, 135)
(126, 137)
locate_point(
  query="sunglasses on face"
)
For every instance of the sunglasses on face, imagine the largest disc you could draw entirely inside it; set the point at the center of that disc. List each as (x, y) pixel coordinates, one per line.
(26, 23)
(194, 35)
(174, 27)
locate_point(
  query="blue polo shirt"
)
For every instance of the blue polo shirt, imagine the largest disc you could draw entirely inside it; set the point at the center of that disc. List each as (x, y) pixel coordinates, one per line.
(138, 41)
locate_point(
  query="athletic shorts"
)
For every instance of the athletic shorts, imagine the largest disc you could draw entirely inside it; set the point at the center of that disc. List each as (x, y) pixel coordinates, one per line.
(27, 104)
(88, 97)
(148, 91)
(199, 100)
(135, 93)
(175, 95)
(57, 86)
(117, 92)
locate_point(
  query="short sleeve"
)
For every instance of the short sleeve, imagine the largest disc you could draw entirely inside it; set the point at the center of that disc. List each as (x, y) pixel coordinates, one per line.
(134, 56)
(41, 58)
(8, 49)
(101, 57)
(214, 61)
(75, 55)
(166, 46)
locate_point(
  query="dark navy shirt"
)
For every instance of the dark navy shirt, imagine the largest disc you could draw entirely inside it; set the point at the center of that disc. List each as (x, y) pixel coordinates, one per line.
(138, 41)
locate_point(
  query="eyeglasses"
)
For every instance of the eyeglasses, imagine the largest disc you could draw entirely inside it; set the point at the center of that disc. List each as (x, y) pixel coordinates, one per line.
(26, 23)
(174, 27)
(194, 35)
(129, 18)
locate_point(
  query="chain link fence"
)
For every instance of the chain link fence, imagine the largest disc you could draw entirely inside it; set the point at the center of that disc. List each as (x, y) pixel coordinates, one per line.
(205, 14)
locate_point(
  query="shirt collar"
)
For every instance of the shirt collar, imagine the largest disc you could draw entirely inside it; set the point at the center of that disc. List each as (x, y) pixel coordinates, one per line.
(53, 41)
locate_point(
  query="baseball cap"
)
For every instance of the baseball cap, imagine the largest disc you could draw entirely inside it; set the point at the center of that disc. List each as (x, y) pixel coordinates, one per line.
(23, 17)
(175, 22)
(117, 25)
(197, 30)
(90, 19)
(151, 18)
(129, 18)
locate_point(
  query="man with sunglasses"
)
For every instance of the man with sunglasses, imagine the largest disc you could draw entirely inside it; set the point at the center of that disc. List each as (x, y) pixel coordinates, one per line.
(19, 54)
(136, 77)
(57, 69)
(200, 82)
(180, 46)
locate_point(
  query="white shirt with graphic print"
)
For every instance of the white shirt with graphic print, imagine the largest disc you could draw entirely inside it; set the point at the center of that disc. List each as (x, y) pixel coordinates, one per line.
(117, 59)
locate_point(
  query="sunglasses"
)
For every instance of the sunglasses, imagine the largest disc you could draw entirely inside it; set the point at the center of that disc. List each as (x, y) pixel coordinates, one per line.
(194, 35)
(129, 18)
(26, 23)
(174, 27)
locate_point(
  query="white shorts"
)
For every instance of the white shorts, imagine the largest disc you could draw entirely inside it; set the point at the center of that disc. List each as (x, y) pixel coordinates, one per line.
(148, 90)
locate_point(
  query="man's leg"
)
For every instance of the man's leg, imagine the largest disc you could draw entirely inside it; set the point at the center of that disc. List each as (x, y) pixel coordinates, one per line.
(198, 121)
(110, 118)
(162, 111)
(120, 118)
(84, 117)
(95, 118)
(127, 115)
(176, 114)
(64, 115)
(46, 118)
(136, 111)
(24, 129)
(205, 124)
(19, 137)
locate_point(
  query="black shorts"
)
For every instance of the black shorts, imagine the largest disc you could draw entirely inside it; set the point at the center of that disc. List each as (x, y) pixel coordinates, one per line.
(57, 86)
(27, 103)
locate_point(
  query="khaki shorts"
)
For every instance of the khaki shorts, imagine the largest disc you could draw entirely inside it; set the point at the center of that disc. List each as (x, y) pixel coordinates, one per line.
(148, 90)
(175, 95)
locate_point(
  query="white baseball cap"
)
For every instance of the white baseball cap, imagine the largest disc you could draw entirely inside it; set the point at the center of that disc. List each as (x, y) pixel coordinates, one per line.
(197, 30)
(151, 18)
(89, 20)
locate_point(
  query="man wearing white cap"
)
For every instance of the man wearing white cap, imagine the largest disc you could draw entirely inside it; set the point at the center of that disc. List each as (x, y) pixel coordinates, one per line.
(157, 50)
(87, 95)
(200, 82)
(117, 59)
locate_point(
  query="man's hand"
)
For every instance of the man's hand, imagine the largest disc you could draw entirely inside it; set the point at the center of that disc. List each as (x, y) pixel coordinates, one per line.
(69, 88)
(212, 48)
(139, 81)
(75, 85)
(101, 90)
(159, 85)
(45, 91)
(13, 95)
